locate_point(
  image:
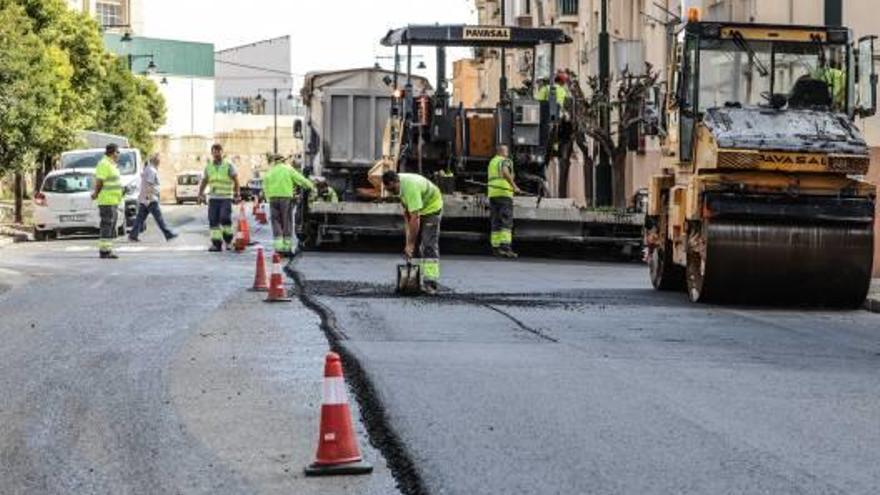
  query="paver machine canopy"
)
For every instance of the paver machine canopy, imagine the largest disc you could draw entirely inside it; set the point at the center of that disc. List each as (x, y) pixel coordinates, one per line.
(453, 145)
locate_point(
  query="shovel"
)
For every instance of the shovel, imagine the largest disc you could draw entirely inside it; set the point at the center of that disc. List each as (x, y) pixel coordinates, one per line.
(409, 279)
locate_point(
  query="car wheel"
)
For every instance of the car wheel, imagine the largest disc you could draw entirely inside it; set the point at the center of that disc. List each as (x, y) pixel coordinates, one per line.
(41, 235)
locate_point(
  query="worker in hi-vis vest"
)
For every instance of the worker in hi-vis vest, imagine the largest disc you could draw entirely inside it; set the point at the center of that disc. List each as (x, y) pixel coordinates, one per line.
(280, 185)
(500, 190)
(108, 195)
(220, 174)
(422, 210)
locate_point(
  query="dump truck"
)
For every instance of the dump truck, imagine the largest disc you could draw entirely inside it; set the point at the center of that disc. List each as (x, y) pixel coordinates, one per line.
(761, 197)
(360, 123)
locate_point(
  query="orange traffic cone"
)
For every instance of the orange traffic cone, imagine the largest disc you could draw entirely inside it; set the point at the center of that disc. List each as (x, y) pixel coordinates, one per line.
(261, 282)
(260, 215)
(277, 292)
(338, 451)
(243, 232)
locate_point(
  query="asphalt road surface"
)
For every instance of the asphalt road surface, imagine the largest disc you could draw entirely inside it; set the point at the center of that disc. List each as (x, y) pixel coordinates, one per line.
(156, 373)
(556, 377)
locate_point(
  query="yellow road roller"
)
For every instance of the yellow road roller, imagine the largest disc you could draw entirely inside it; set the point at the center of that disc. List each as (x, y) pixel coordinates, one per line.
(761, 197)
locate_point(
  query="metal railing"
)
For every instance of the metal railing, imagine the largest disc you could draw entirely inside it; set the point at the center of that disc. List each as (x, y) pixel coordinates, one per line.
(566, 7)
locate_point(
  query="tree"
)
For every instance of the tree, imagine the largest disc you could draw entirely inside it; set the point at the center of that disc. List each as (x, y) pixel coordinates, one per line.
(129, 105)
(28, 97)
(629, 110)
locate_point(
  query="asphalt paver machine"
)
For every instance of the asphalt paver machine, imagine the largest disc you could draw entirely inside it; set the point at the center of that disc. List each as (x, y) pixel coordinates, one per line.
(452, 145)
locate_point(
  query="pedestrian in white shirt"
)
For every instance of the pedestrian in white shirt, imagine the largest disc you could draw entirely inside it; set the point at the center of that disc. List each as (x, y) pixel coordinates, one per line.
(148, 202)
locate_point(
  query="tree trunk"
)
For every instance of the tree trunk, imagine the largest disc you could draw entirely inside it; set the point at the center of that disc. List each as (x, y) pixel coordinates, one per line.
(618, 177)
(18, 186)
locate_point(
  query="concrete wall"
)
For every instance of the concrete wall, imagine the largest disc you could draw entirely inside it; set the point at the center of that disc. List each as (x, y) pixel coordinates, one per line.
(246, 148)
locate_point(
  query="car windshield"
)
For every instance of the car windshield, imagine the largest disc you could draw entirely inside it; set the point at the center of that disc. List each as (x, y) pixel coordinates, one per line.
(188, 180)
(89, 159)
(69, 183)
(746, 72)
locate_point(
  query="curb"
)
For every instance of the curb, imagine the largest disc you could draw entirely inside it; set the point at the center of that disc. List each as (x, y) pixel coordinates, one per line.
(14, 234)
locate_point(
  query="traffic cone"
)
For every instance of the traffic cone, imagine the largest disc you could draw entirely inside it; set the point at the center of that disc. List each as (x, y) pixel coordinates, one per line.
(277, 292)
(338, 451)
(261, 216)
(243, 233)
(261, 282)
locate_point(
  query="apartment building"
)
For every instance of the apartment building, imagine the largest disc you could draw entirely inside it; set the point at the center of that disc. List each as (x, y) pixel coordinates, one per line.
(116, 16)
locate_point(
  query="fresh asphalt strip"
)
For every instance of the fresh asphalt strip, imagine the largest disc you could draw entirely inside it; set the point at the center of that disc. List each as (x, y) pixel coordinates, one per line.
(381, 434)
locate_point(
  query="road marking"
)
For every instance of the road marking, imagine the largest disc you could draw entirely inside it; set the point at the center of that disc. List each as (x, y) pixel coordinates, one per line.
(140, 249)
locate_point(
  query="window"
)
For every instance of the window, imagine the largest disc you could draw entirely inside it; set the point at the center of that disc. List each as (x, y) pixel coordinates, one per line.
(127, 163)
(111, 13)
(566, 7)
(68, 183)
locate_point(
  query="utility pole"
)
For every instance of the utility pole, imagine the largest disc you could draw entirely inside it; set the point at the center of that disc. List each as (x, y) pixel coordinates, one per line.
(603, 169)
(274, 92)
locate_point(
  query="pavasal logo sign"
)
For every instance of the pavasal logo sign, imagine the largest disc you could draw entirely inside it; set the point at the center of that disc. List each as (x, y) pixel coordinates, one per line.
(486, 33)
(785, 159)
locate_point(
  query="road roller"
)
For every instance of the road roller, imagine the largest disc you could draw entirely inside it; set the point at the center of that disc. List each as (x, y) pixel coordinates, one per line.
(761, 197)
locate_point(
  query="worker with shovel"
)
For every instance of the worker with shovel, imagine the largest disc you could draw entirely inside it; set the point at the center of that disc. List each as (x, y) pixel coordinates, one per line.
(500, 190)
(422, 210)
(280, 184)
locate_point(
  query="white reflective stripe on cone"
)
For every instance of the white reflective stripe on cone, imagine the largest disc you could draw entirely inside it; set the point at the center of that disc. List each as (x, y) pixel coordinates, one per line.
(276, 267)
(334, 391)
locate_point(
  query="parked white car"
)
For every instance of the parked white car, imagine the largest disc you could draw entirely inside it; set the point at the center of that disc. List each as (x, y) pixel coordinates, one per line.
(187, 187)
(130, 166)
(64, 205)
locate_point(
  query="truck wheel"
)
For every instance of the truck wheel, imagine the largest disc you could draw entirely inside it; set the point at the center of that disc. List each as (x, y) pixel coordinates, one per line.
(666, 275)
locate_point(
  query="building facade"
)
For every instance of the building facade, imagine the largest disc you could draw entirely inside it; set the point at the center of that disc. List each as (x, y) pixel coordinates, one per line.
(249, 75)
(115, 16)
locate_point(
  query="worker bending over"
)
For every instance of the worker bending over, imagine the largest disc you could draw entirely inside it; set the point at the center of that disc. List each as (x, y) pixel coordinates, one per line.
(222, 177)
(422, 210)
(500, 190)
(280, 185)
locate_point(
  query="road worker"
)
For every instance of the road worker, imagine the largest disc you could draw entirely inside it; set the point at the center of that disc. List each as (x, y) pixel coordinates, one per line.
(221, 175)
(560, 89)
(108, 195)
(500, 190)
(422, 210)
(323, 192)
(280, 185)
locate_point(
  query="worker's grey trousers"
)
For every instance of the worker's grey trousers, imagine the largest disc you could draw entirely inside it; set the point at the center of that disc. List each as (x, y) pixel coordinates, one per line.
(109, 216)
(281, 210)
(429, 246)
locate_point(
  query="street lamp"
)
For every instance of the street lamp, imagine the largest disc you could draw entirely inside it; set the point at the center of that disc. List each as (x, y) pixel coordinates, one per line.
(274, 92)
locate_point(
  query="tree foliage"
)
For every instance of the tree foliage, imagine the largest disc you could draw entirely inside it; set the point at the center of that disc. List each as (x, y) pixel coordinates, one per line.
(29, 80)
(57, 79)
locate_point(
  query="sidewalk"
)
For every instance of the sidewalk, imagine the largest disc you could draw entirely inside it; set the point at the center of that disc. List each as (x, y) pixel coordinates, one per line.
(873, 301)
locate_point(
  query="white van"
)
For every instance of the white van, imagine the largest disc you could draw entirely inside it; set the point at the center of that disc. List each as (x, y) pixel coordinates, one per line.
(186, 187)
(130, 166)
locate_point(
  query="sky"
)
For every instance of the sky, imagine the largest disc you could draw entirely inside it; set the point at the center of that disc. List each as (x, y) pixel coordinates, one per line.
(325, 34)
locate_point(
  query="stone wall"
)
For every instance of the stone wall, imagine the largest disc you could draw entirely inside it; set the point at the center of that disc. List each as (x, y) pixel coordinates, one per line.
(247, 149)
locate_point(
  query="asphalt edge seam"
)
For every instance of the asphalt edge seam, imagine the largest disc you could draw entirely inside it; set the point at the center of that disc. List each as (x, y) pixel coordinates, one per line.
(382, 436)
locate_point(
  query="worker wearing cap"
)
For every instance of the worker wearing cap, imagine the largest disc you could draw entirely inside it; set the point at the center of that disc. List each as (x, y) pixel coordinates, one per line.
(500, 190)
(108, 195)
(221, 175)
(422, 210)
(323, 192)
(280, 185)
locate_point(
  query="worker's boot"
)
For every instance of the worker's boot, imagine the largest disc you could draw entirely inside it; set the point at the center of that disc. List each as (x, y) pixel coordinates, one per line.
(108, 255)
(429, 287)
(508, 252)
(216, 246)
(498, 252)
